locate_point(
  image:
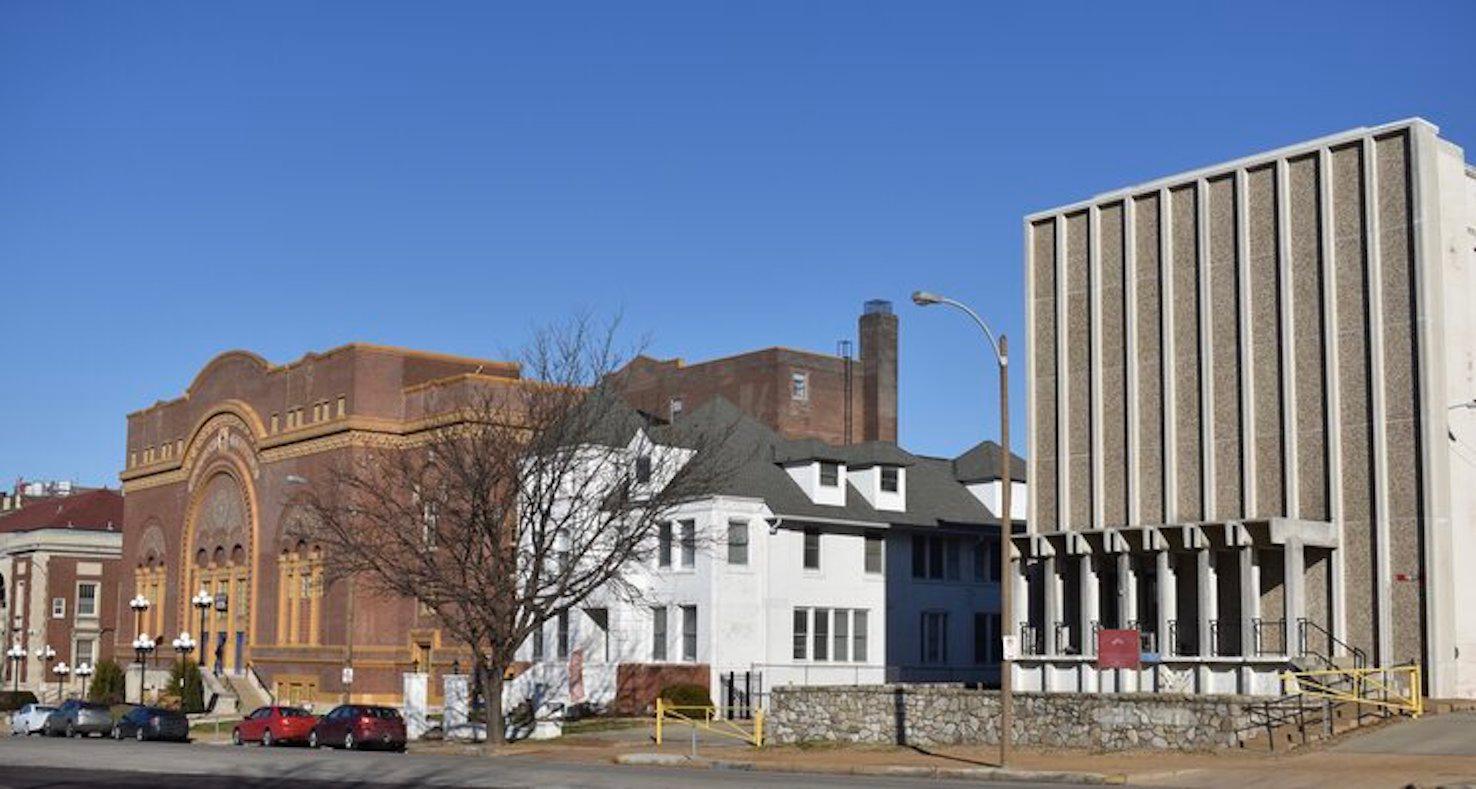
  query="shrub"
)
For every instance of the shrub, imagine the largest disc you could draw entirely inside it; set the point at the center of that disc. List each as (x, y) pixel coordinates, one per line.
(186, 685)
(108, 684)
(13, 700)
(686, 694)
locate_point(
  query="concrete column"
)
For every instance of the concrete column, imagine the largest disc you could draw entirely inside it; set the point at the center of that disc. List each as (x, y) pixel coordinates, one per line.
(1167, 607)
(1209, 595)
(1053, 604)
(1294, 582)
(1250, 598)
(1127, 589)
(1090, 602)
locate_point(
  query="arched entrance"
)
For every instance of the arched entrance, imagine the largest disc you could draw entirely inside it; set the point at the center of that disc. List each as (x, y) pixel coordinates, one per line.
(221, 561)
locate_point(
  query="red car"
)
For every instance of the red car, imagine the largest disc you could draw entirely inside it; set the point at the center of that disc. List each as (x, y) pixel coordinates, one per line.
(272, 725)
(353, 726)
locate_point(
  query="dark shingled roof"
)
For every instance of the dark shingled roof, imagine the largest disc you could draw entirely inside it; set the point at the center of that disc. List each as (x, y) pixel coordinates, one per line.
(934, 496)
(95, 510)
(981, 464)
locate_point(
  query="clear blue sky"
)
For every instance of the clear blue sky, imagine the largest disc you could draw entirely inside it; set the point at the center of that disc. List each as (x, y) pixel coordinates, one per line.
(180, 179)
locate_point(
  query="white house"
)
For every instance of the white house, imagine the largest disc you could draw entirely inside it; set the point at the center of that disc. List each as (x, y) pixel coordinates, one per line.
(814, 564)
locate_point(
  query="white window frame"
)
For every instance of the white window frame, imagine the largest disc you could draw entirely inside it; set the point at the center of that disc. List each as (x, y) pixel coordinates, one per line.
(96, 590)
(799, 386)
(58, 608)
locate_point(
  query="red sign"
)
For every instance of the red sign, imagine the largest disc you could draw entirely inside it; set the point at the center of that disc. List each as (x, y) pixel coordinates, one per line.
(1118, 649)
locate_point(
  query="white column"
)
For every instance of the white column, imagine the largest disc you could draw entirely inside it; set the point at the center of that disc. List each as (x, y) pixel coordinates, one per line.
(1250, 598)
(1052, 588)
(1294, 587)
(1167, 604)
(1127, 590)
(1209, 588)
(1090, 601)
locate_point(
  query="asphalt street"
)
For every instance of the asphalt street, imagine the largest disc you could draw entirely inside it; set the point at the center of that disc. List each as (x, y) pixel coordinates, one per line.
(54, 763)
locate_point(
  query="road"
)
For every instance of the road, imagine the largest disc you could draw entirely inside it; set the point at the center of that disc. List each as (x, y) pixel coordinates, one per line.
(55, 763)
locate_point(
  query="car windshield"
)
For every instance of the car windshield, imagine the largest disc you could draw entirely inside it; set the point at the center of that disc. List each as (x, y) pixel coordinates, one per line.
(295, 712)
(44, 709)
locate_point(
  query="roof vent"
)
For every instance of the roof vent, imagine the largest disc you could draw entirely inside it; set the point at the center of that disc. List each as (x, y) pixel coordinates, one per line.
(878, 307)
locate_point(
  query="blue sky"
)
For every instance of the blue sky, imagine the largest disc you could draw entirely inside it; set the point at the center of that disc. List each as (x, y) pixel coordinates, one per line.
(180, 179)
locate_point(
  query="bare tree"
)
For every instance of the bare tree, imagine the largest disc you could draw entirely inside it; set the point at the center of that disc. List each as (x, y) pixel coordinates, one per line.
(524, 499)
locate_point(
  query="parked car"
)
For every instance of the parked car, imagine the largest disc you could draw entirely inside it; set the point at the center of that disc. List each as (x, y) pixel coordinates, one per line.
(152, 723)
(29, 719)
(352, 726)
(76, 718)
(272, 725)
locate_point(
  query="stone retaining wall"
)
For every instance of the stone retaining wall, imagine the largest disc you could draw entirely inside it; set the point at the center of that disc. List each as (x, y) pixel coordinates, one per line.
(950, 715)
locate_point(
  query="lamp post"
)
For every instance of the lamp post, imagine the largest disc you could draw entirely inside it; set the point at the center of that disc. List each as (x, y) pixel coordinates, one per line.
(16, 655)
(139, 604)
(1000, 347)
(83, 672)
(45, 654)
(142, 646)
(183, 646)
(61, 671)
(202, 601)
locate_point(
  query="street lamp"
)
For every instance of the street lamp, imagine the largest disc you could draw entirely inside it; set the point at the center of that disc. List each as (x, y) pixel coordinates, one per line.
(45, 654)
(83, 672)
(61, 671)
(202, 602)
(142, 646)
(1001, 349)
(139, 604)
(16, 655)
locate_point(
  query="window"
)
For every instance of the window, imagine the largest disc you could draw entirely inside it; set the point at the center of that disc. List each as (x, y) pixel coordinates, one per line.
(822, 634)
(951, 558)
(986, 637)
(829, 474)
(664, 552)
(658, 633)
(538, 642)
(689, 633)
(563, 635)
(799, 385)
(801, 632)
(812, 549)
(83, 651)
(889, 479)
(842, 634)
(58, 608)
(86, 599)
(689, 543)
(674, 408)
(935, 637)
(986, 565)
(643, 469)
(935, 557)
(919, 556)
(601, 619)
(873, 553)
(858, 638)
(737, 542)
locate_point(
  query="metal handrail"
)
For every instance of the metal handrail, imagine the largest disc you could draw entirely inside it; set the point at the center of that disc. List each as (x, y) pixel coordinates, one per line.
(1031, 641)
(1219, 629)
(1276, 626)
(1057, 645)
(1360, 658)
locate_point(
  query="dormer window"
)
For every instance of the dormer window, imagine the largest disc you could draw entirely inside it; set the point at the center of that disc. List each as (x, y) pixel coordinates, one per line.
(889, 479)
(829, 474)
(643, 469)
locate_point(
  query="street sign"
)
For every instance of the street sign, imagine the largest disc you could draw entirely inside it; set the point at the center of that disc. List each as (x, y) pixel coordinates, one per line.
(1011, 647)
(348, 675)
(1118, 649)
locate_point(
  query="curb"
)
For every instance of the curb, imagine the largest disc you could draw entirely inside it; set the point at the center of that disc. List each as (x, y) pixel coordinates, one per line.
(895, 771)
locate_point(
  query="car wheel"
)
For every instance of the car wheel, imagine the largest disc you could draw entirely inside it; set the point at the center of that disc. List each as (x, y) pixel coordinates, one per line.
(235, 736)
(117, 733)
(71, 731)
(348, 741)
(313, 739)
(266, 739)
(139, 734)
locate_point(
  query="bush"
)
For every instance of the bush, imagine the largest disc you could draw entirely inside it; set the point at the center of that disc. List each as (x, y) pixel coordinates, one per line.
(686, 694)
(108, 684)
(12, 700)
(186, 685)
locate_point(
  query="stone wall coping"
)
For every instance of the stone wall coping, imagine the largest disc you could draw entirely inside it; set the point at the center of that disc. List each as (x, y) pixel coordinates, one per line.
(1175, 698)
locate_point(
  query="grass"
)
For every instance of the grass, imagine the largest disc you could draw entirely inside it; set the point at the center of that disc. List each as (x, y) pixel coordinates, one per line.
(604, 724)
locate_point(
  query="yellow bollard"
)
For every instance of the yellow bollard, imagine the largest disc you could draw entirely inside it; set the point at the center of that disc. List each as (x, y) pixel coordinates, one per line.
(758, 728)
(658, 720)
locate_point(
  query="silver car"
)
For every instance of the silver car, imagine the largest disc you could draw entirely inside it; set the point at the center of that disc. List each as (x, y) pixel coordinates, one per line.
(29, 719)
(76, 718)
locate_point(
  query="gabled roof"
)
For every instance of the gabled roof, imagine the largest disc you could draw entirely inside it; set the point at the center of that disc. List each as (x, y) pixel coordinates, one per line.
(981, 464)
(96, 510)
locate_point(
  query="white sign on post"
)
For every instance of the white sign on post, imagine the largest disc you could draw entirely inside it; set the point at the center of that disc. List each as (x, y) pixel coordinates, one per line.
(1011, 647)
(348, 675)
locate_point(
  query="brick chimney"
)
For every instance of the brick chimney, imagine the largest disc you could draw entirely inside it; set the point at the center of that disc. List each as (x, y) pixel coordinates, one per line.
(878, 330)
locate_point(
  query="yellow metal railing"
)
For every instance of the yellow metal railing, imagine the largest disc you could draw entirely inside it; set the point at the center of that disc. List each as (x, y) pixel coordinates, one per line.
(1396, 688)
(706, 718)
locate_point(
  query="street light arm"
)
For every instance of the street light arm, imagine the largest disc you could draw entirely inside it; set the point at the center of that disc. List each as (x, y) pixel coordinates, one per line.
(924, 299)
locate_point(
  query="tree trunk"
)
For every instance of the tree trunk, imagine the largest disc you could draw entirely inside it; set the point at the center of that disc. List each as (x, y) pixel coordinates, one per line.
(492, 685)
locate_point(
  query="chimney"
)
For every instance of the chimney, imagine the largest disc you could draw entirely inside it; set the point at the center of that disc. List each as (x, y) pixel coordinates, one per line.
(878, 330)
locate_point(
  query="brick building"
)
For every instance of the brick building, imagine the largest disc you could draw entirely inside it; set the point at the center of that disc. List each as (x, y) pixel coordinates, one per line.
(214, 480)
(59, 573)
(798, 394)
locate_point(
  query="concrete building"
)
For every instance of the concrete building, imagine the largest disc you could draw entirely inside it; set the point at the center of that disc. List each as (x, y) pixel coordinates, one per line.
(814, 564)
(1245, 436)
(59, 586)
(798, 394)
